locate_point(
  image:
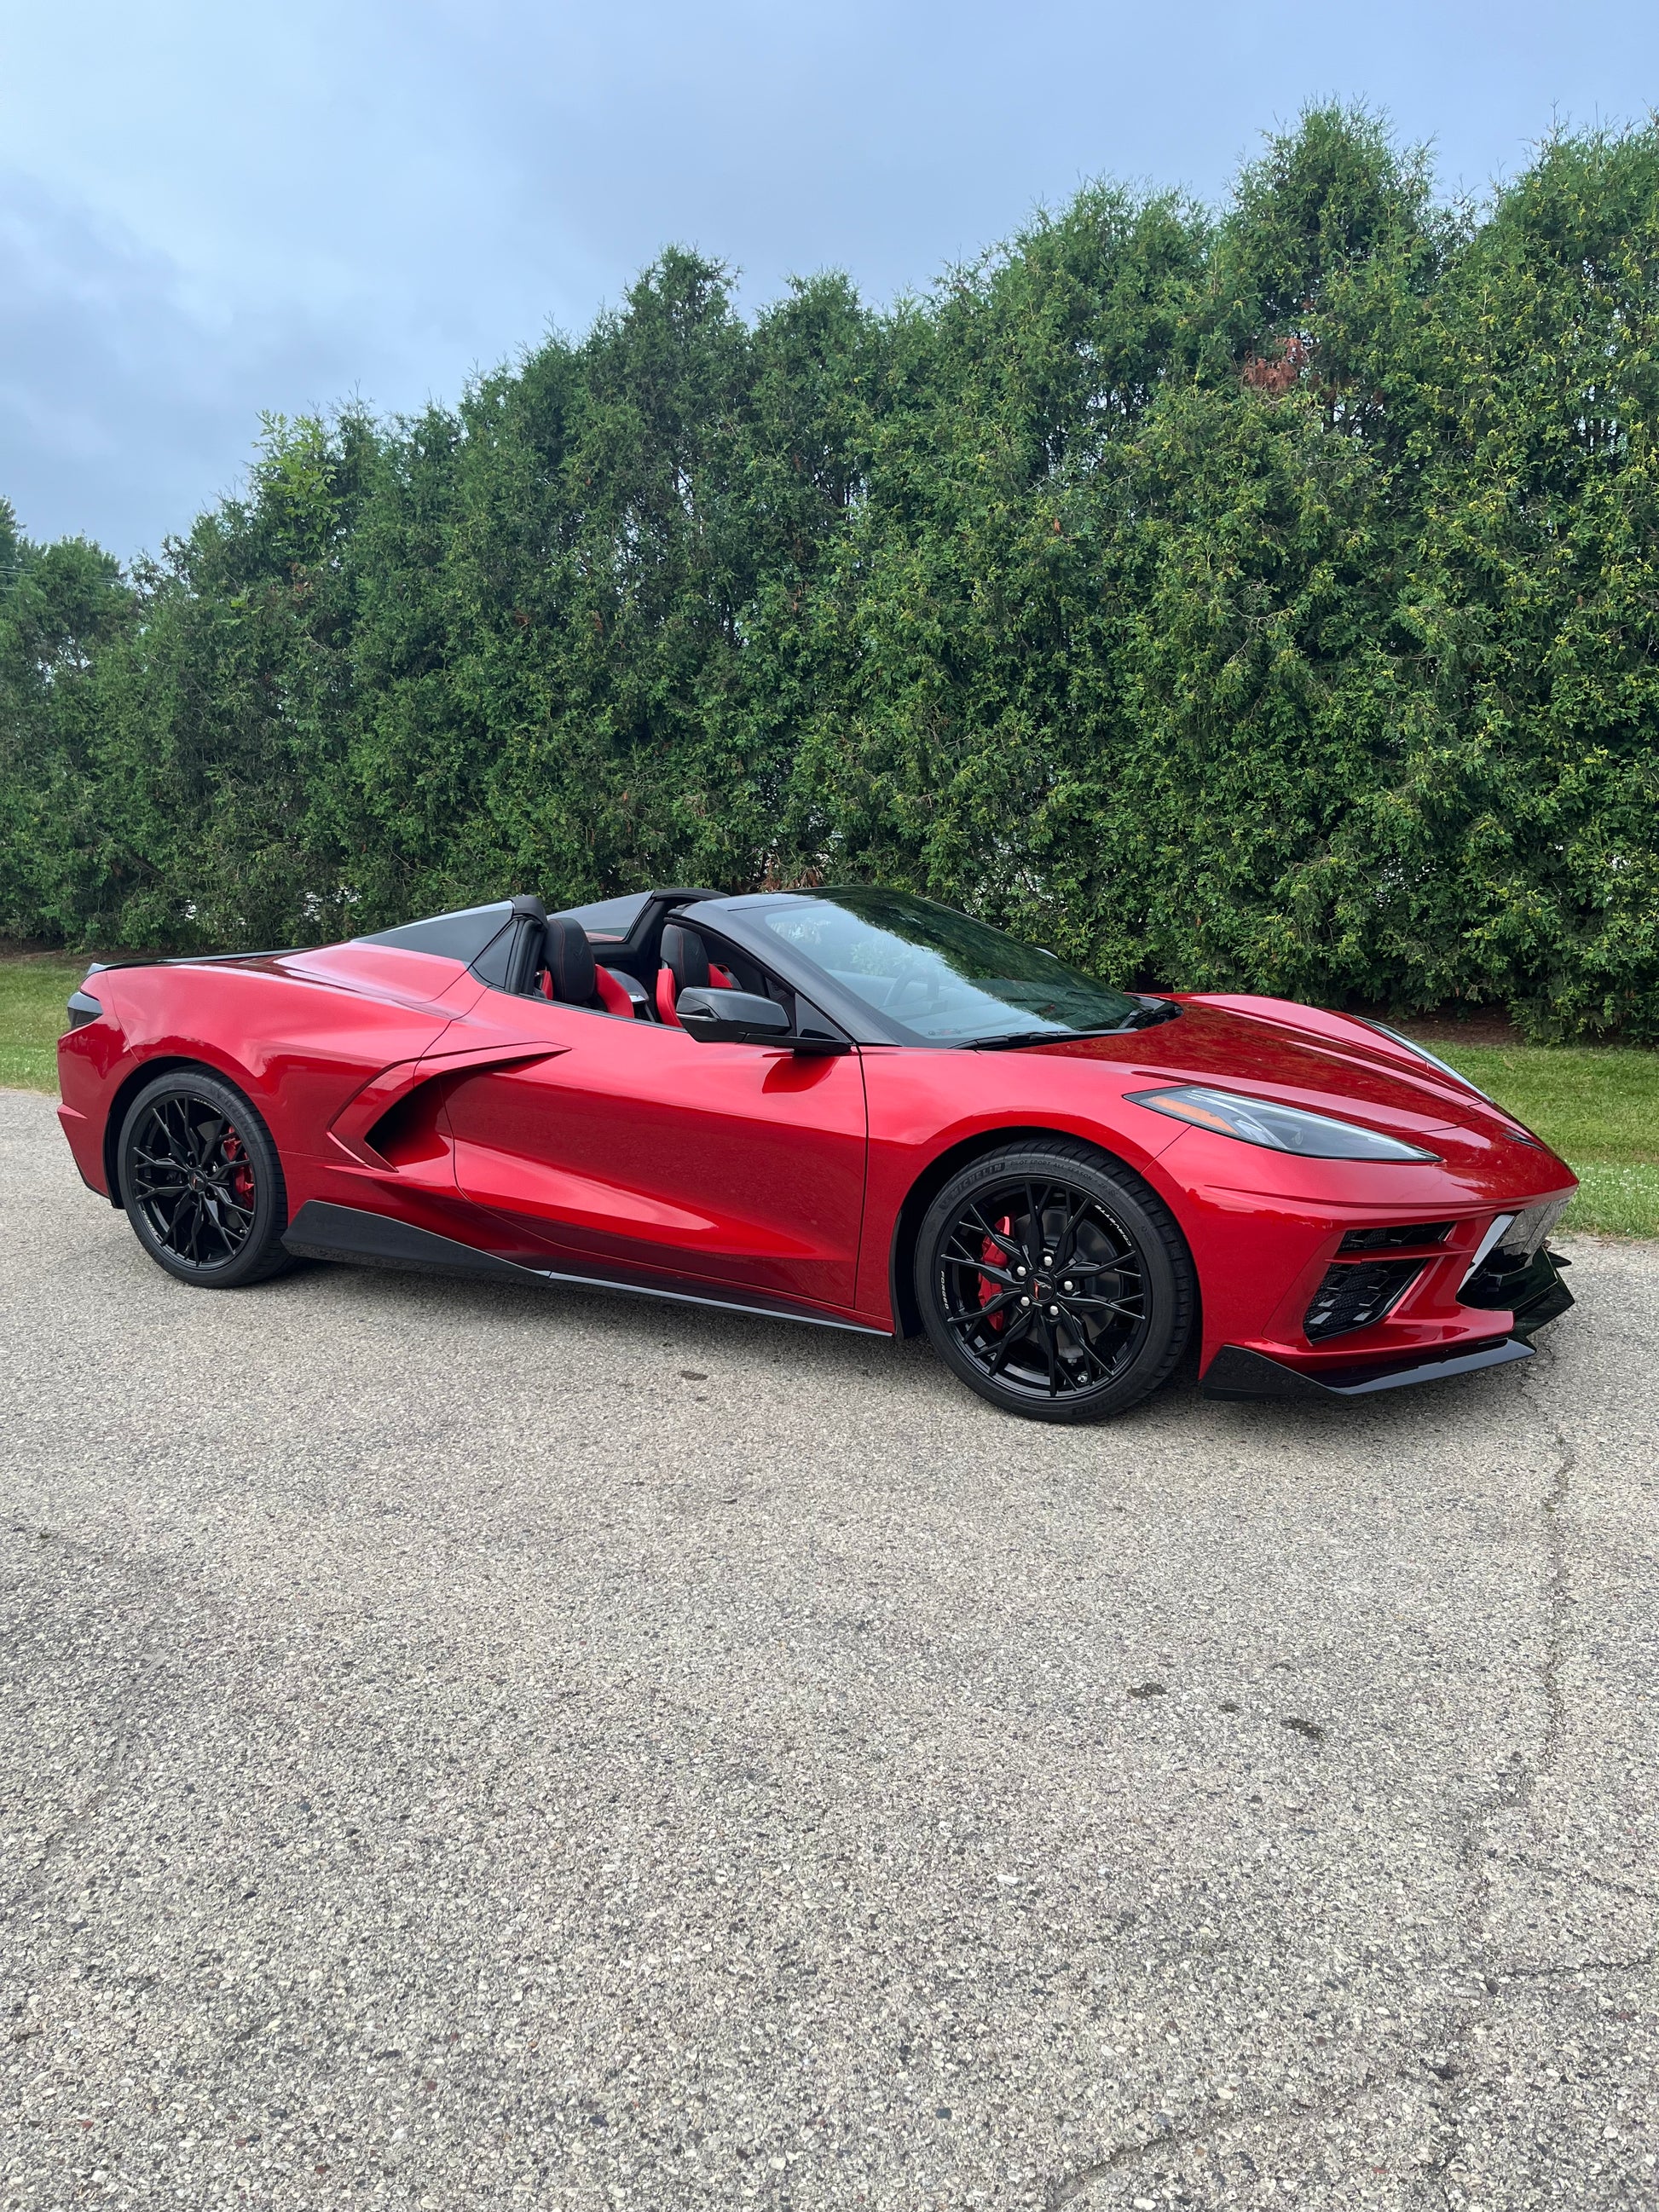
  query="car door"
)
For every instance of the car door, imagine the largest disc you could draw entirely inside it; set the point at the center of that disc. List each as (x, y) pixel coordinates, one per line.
(633, 1148)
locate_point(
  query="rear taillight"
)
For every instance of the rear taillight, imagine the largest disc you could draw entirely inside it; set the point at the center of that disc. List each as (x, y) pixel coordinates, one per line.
(82, 1008)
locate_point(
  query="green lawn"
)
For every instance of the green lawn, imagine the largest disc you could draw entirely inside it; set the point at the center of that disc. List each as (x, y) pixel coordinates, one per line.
(1597, 1106)
(33, 990)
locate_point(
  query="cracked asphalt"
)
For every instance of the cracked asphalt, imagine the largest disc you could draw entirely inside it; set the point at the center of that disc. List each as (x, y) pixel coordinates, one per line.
(465, 1748)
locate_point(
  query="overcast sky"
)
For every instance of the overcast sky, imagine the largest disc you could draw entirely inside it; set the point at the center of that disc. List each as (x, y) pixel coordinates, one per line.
(206, 210)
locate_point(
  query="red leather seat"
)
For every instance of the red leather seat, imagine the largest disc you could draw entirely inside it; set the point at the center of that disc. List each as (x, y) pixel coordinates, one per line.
(614, 995)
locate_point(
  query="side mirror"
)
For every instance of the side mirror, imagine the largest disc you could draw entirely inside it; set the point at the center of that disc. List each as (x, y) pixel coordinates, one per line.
(731, 1016)
(743, 1018)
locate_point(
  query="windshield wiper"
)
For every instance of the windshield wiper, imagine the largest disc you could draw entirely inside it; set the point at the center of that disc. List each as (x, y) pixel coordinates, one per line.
(1040, 1036)
(1152, 1012)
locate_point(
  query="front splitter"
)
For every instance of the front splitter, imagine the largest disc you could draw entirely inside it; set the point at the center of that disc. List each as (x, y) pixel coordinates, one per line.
(1235, 1373)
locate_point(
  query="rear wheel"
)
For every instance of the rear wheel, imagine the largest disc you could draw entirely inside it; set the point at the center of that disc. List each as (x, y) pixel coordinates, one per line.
(1053, 1282)
(202, 1184)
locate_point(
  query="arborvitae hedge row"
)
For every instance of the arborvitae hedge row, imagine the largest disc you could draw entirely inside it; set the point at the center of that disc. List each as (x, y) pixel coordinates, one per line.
(1266, 600)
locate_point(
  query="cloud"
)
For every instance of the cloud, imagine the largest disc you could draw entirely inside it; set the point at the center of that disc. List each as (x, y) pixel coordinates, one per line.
(125, 401)
(213, 211)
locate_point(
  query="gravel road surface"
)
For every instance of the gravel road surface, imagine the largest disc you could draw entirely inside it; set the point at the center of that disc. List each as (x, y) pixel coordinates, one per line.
(469, 1749)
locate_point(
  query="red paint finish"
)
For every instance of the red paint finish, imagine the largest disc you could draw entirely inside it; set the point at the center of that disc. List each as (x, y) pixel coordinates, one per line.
(1262, 1226)
(396, 1082)
(299, 1035)
(636, 1146)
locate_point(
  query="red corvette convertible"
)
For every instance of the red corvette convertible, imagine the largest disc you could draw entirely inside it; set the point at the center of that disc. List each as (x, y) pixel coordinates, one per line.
(850, 1107)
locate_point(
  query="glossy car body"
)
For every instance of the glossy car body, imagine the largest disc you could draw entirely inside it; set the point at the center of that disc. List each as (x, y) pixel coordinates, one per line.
(430, 1110)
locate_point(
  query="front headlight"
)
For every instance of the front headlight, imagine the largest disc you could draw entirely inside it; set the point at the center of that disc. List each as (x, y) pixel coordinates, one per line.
(1281, 1129)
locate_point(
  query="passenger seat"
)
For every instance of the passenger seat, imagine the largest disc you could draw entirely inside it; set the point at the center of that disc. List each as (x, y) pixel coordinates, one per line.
(685, 968)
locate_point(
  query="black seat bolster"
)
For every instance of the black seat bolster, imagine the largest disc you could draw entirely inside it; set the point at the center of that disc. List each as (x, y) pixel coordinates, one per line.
(569, 961)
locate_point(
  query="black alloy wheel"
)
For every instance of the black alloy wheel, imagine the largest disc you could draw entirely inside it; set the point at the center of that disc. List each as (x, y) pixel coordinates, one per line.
(201, 1181)
(1054, 1282)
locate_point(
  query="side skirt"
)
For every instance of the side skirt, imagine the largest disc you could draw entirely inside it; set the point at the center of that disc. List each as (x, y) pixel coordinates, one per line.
(323, 1231)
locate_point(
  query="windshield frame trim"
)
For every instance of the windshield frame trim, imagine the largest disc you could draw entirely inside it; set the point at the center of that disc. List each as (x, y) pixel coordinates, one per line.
(856, 1015)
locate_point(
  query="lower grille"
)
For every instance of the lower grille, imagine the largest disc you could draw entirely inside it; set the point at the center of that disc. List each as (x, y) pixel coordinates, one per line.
(1353, 1297)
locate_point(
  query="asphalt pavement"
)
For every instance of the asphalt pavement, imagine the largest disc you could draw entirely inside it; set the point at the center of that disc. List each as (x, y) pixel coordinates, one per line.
(467, 1748)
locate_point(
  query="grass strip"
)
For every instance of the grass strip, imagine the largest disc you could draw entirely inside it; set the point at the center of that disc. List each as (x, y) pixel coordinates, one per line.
(33, 991)
(1598, 1106)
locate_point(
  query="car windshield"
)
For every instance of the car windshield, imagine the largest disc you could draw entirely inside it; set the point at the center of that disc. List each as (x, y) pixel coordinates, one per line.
(940, 977)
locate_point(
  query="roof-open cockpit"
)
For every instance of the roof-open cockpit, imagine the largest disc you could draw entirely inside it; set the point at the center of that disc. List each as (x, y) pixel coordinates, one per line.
(630, 956)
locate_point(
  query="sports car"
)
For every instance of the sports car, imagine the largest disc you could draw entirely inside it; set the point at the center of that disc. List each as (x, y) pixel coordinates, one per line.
(849, 1107)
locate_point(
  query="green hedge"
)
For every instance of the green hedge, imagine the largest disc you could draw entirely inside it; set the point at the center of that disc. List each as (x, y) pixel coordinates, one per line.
(1264, 600)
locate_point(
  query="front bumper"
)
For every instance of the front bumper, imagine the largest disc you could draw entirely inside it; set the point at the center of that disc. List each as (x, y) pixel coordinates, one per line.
(1521, 1301)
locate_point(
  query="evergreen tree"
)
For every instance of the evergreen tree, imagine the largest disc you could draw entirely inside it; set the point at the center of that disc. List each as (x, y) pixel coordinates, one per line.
(1261, 599)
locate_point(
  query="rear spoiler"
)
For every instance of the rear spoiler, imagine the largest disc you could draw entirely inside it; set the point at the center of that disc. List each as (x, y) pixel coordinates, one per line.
(192, 959)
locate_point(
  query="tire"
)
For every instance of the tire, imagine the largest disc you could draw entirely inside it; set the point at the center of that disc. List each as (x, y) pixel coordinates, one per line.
(1115, 1309)
(201, 1181)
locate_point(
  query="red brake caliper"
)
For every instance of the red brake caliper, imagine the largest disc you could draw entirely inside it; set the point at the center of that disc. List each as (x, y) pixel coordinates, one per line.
(993, 1255)
(242, 1175)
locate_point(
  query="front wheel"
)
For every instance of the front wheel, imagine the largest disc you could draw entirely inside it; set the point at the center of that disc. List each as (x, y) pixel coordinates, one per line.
(1054, 1282)
(202, 1184)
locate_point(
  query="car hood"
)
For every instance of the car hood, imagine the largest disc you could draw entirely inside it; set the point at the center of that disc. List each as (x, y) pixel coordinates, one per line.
(1303, 1055)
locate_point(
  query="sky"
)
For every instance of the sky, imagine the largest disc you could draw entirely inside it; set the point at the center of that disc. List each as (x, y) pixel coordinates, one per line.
(207, 212)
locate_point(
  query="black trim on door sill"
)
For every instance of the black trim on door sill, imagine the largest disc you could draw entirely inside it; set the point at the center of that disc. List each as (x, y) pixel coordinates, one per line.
(350, 1233)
